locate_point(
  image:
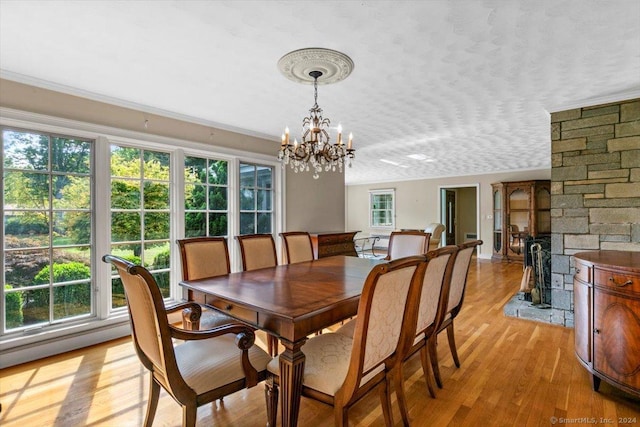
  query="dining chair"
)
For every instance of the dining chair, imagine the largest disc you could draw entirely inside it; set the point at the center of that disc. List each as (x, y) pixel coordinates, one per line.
(435, 229)
(407, 243)
(297, 246)
(431, 309)
(454, 304)
(206, 257)
(339, 370)
(259, 251)
(207, 366)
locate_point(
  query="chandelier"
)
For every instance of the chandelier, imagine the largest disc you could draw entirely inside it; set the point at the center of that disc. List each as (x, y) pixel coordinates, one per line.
(315, 151)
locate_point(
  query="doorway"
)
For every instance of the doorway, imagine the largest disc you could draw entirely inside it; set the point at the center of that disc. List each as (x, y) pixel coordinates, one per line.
(460, 212)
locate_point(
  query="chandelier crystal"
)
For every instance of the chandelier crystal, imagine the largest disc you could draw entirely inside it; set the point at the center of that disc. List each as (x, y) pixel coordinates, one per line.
(316, 152)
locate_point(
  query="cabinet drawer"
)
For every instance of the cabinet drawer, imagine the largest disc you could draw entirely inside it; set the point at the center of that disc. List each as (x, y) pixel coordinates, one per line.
(241, 313)
(617, 280)
(583, 272)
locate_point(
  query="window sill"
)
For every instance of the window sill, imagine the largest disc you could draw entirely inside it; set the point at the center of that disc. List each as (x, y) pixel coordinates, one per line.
(25, 347)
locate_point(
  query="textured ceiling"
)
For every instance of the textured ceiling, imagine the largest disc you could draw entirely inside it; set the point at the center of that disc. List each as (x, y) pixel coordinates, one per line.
(465, 85)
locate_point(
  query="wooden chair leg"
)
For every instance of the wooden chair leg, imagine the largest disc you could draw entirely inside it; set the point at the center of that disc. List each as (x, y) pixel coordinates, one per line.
(398, 382)
(271, 393)
(452, 344)
(189, 415)
(426, 370)
(385, 400)
(433, 354)
(341, 416)
(152, 404)
(272, 345)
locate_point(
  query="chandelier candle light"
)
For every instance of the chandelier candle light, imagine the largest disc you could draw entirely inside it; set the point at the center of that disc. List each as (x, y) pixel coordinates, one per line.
(316, 150)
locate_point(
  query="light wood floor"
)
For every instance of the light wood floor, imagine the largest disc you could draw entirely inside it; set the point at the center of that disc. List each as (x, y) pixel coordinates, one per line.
(514, 373)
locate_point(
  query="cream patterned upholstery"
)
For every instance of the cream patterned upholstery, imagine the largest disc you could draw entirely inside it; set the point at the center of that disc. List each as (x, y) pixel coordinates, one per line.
(339, 366)
(258, 251)
(407, 243)
(435, 229)
(454, 303)
(297, 246)
(207, 366)
(206, 257)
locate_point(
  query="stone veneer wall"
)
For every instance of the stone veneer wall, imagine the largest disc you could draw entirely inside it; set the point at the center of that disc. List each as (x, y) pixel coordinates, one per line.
(595, 190)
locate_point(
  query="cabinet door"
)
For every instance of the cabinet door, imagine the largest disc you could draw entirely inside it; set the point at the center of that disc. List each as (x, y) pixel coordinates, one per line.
(582, 319)
(616, 338)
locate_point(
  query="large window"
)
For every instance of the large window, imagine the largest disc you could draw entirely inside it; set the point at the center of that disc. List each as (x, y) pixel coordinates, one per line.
(73, 192)
(48, 225)
(256, 199)
(206, 192)
(382, 208)
(140, 214)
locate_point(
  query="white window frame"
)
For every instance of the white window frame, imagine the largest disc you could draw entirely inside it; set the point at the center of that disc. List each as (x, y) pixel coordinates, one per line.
(379, 192)
(109, 324)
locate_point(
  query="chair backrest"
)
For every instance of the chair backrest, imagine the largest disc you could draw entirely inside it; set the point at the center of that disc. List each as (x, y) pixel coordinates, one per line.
(459, 275)
(149, 329)
(258, 251)
(435, 288)
(407, 243)
(389, 297)
(298, 246)
(204, 257)
(435, 229)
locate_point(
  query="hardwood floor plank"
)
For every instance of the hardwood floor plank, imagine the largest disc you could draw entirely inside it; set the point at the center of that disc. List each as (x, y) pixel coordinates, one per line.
(514, 372)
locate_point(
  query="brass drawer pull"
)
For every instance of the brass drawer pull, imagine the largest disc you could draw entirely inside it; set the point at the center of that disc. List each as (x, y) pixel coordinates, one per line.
(620, 285)
(577, 271)
(228, 307)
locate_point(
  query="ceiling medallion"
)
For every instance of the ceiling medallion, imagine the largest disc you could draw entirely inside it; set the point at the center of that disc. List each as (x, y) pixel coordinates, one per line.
(316, 66)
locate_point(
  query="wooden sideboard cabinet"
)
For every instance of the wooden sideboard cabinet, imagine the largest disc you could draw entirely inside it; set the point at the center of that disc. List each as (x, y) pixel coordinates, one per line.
(520, 209)
(333, 243)
(606, 290)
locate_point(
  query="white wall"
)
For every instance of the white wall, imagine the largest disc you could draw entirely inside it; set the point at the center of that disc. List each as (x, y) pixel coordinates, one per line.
(417, 201)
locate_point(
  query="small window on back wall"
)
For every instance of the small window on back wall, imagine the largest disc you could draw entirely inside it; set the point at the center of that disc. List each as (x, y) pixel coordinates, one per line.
(382, 209)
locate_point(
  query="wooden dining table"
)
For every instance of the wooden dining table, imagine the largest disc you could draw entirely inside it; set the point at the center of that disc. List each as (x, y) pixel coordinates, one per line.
(291, 302)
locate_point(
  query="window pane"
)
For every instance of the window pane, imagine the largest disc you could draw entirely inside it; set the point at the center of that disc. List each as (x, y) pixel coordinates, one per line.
(264, 176)
(156, 195)
(195, 169)
(26, 229)
(218, 198)
(247, 175)
(218, 172)
(195, 224)
(72, 192)
(247, 223)
(125, 226)
(71, 228)
(71, 300)
(195, 197)
(156, 225)
(157, 255)
(264, 200)
(264, 223)
(156, 165)
(125, 162)
(247, 199)
(22, 266)
(35, 307)
(125, 194)
(218, 224)
(26, 190)
(14, 302)
(162, 279)
(70, 155)
(118, 298)
(24, 150)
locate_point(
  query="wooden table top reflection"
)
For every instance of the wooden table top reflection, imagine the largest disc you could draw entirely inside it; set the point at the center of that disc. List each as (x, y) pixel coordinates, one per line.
(290, 301)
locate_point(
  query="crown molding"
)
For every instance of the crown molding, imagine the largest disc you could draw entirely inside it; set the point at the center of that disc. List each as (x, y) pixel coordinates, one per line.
(69, 90)
(631, 93)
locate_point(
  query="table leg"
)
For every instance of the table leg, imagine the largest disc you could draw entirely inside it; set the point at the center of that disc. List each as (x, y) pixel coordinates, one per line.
(291, 373)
